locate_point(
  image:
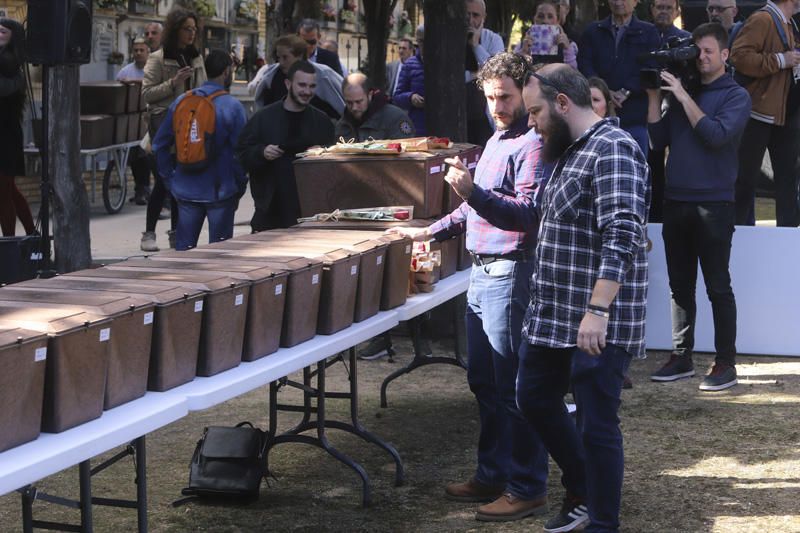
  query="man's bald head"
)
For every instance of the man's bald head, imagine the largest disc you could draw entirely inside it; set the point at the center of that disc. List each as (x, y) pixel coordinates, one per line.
(558, 78)
(356, 79)
(356, 93)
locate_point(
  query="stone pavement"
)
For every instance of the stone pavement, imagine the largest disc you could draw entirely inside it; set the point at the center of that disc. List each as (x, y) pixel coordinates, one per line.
(116, 237)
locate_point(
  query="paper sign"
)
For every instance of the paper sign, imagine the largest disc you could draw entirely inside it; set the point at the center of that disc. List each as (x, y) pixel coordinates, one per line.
(105, 334)
(315, 279)
(239, 300)
(278, 289)
(148, 318)
(380, 259)
(435, 169)
(198, 306)
(40, 354)
(353, 270)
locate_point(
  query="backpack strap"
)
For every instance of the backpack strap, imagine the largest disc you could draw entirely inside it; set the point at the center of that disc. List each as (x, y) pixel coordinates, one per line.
(779, 25)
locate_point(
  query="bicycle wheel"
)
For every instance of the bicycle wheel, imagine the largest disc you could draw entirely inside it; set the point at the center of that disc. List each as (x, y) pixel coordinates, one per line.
(114, 188)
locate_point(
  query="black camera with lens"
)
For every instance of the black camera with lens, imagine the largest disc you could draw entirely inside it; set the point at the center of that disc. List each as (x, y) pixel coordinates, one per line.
(677, 57)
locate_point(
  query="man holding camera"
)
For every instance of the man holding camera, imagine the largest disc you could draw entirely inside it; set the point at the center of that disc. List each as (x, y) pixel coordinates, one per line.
(703, 131)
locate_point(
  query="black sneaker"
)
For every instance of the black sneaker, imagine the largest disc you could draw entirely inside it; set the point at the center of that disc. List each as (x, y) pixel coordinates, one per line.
(678, 366)
(378, 347)
(573, 515)
(721, 377)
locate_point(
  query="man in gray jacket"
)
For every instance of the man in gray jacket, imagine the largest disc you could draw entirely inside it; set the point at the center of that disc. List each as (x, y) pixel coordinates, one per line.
(369, 115)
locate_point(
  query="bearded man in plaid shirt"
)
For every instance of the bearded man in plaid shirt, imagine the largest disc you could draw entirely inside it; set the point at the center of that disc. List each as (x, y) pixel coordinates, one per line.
(500, 217)
(586, 318)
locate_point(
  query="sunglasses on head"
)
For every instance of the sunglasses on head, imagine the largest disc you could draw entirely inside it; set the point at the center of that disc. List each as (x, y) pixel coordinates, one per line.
(531, 74)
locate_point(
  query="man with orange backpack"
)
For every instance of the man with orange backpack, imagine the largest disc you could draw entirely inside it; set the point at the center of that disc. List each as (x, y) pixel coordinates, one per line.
(194, 150)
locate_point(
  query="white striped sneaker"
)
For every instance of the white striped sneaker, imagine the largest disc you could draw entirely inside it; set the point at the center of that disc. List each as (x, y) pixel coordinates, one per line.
(573, 515)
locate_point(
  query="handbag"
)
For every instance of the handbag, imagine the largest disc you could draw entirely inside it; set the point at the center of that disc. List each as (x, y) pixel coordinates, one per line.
(228, 462)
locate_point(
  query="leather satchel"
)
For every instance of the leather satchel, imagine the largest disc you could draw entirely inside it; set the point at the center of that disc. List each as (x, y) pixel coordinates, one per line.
(228, 462)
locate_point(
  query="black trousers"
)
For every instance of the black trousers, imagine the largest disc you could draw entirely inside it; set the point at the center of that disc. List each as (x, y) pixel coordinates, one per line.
(140, 168)
(783, 143)
(701, 232)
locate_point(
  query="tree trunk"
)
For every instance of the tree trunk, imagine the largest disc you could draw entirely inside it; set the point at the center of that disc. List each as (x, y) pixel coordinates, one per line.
(500, 18)
(445, 89)
(70, 203)
(376, 15)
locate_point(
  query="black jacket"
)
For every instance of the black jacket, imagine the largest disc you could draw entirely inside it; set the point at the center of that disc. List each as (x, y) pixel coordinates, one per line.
(12, 103)
(272, 183)
(326, 57)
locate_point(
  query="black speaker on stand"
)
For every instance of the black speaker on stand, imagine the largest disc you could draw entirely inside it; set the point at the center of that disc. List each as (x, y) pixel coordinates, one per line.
(58, 33)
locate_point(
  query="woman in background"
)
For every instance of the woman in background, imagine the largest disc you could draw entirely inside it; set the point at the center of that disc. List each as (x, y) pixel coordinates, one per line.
(12, 107)
(601, 98)
(171, 71)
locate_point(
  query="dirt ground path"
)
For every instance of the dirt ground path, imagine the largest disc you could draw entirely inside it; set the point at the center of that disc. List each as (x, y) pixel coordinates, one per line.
(721, 462)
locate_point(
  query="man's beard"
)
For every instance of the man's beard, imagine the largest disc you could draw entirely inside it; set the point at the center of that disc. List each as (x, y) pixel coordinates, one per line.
(558, 140)
(517, 114)
(296, 99)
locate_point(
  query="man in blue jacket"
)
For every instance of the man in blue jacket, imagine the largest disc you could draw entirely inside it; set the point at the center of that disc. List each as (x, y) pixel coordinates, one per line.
(213, 191)
(611, 49)
(703, 133)
(410, 91)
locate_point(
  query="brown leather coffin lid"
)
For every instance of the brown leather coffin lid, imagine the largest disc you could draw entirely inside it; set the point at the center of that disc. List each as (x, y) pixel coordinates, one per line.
(156, 292)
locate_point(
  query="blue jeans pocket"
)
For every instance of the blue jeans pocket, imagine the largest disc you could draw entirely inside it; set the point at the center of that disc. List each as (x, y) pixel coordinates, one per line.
(584, 364)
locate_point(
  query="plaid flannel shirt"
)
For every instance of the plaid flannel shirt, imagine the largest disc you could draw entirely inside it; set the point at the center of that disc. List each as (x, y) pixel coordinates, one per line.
(593, 227)
(501, 215)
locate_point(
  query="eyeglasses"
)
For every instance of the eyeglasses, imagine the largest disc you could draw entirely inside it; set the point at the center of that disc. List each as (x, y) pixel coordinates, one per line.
(541, 79)
(718, 9)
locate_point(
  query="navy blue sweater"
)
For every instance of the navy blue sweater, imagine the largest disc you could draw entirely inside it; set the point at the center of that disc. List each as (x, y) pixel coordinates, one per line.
(703, 161)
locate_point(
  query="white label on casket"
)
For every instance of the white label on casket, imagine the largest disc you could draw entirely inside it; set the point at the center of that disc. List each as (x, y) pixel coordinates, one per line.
(105, 334)
(435, 169)
(353, 270)
(40, 354)
(198, 306)
(315, 279)
(472, 165)
(148, 318)
(408, 248)
(37, 256)
(278, 289)
(380, 259)
(239, 300)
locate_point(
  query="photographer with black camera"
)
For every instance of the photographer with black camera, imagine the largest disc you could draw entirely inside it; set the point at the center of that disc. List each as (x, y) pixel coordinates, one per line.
(702, 131)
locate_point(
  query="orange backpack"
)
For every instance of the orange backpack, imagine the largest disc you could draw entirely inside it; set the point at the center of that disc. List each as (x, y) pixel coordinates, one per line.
(194, 124)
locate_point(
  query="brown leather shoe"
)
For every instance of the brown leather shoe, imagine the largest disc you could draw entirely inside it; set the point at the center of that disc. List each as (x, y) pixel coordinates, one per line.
(508, 507)
(473, 491)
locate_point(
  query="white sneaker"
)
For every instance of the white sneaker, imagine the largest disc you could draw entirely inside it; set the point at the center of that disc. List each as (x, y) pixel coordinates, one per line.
(149, 242)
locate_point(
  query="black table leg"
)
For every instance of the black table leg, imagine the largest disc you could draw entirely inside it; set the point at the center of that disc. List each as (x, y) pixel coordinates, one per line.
(321, 423)
(420, 359)
(85, 502)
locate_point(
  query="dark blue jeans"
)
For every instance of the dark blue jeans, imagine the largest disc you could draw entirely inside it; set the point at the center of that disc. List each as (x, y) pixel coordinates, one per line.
(193, 214)
(590, 455)
(509, 450)
(692, 232)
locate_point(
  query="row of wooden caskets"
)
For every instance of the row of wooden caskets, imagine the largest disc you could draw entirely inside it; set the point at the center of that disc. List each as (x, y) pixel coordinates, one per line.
(74, 345)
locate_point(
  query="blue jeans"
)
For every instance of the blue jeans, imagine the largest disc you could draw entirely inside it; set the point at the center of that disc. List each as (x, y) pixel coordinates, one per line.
(191, 216)
(509, 450)
(590, 455)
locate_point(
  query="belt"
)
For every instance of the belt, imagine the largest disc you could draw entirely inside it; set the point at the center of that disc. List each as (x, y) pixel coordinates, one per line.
(486, 259)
